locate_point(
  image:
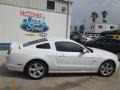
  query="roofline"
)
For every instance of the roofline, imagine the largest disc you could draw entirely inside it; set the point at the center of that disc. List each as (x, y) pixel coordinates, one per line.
(105, 24)
(70, 1)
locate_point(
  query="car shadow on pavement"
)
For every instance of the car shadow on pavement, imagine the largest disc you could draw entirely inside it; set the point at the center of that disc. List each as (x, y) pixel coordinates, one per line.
(12, 74)
(71, 74)
(4, 72)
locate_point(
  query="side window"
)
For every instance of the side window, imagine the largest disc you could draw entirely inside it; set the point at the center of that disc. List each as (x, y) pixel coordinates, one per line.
(44, 46)
(68, 47)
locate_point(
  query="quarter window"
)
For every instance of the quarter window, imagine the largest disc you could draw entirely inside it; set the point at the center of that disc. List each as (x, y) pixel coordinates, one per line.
(68, 47)
(44, 46)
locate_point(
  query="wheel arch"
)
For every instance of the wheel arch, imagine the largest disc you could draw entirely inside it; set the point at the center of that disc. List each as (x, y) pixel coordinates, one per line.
(32, 60)
(109, 60)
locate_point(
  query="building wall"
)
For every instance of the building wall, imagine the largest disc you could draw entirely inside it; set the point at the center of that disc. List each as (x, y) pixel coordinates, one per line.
(38, 4)
(11, 19)
(104, 27)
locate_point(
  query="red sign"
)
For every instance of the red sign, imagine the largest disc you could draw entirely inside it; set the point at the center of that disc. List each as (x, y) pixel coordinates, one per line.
(30, 14)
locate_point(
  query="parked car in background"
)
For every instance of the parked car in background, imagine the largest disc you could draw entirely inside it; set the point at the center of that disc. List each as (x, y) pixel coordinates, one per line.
(114, 36)
(110, 32)
(56, 55)
(106, 43)
(85, 39)
(75, 36)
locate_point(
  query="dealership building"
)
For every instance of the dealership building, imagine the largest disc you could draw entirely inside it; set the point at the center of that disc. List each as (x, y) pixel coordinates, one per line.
(26, 20)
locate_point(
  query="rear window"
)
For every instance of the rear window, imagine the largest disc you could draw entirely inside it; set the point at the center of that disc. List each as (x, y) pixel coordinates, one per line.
(34, 42)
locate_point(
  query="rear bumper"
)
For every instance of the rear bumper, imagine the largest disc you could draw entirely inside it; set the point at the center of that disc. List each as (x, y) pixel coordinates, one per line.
(11, 65)
(14, 67)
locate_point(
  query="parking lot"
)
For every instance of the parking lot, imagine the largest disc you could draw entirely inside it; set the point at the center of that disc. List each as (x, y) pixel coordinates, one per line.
(10, 80)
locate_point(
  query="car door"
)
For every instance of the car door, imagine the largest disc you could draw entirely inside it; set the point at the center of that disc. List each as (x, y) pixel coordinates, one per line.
(110, 45)
(101, 43)
(70, 57)
(113, 45)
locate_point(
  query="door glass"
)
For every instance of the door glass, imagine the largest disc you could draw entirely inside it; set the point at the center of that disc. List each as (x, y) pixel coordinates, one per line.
(68, 47)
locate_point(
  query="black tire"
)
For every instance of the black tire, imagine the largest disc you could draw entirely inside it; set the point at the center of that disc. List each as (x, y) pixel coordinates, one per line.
(35, 67)
(107, 68)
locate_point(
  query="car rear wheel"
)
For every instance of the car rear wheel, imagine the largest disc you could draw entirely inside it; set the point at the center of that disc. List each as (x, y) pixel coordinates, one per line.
(107, 68)
(36, 70)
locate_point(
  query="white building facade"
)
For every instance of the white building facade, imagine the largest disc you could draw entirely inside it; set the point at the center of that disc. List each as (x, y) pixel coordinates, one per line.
(98, 28)
(26, 20)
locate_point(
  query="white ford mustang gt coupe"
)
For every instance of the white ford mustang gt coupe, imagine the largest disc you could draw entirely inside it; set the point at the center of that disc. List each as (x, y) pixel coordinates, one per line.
(56, 55)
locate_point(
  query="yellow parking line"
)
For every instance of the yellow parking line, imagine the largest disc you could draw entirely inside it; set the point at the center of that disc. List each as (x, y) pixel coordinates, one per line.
(14, 85)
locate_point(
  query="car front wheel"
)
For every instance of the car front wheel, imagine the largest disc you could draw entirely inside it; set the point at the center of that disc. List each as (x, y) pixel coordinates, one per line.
(107, 68)
(36, 70)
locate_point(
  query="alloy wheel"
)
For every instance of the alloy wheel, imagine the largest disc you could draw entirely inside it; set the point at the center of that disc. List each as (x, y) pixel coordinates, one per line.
(36, 70)
(107, 68)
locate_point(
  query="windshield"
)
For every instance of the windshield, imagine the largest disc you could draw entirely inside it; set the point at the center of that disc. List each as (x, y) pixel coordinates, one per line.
(34, 42)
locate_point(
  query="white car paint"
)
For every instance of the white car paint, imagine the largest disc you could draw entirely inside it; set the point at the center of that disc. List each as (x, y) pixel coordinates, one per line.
(59, 61)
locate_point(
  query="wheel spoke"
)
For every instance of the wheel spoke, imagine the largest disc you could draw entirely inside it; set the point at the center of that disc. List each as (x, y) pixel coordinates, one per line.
(36, 66)
(40, 73)
(34, 74)
(103, 71)
(103, 67)
(40, 68)
(32, 69)
(108, 72)
(110, 68)
(107, 65)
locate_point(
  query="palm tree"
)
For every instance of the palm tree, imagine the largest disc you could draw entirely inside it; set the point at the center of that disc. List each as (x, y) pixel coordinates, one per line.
(104, 14)
(75, 29)
(81, 29)
(94, 16)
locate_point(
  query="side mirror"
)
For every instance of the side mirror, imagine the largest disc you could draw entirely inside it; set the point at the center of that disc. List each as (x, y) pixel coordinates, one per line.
(83, 51)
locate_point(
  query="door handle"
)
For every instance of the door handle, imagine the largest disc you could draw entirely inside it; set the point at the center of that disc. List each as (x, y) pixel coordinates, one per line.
(62, 55)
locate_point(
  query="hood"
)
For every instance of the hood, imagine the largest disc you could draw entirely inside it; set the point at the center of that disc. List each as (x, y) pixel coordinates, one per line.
(104, 54)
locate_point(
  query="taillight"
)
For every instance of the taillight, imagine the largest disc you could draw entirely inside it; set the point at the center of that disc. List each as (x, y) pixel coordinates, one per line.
(9, 51)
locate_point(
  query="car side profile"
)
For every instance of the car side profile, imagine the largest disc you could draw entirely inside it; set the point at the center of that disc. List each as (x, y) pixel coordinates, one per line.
(57, 55)
(105, 43)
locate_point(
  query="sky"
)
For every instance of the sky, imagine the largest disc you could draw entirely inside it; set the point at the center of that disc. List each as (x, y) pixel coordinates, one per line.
(82, 9)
